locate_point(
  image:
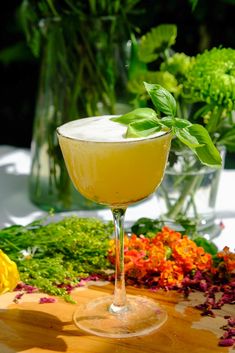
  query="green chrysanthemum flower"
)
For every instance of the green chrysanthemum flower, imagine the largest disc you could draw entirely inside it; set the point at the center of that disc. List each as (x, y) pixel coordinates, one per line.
(178, 65)
(212, 78)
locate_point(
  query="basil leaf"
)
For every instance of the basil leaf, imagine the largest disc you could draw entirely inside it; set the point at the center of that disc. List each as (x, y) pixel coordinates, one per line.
(206, 152)
(143, 128)
(177, 122)
(139, 113)
(181, 123)
(161, 98)
(167, 121)
(186, 137)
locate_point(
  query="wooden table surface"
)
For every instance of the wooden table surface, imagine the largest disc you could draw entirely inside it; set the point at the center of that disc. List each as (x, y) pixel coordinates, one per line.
(48, 328)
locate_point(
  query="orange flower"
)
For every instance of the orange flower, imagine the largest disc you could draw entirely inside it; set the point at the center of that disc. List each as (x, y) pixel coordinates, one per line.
(184, 253)
(203, 260)
(190, 256)
(165, 259)
(228, 258)
(167, 236)
(157, 253)
(171, 274)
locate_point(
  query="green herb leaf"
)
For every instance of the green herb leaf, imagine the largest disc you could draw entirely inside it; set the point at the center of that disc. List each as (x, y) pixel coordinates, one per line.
(161, 98)
(206, 152)
(180, 129)
(136, 114)
(185, 137)
(143, 128)
(176, 122)
(141, 122)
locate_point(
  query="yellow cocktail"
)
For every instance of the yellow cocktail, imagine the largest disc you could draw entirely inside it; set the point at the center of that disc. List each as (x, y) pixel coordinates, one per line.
(114, 172)
(110, 169)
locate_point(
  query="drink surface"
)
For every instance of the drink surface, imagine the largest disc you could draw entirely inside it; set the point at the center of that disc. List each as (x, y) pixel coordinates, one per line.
(108, 168)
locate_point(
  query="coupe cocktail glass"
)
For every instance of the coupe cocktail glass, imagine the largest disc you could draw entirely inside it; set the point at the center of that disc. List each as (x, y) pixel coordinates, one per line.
(115, 171)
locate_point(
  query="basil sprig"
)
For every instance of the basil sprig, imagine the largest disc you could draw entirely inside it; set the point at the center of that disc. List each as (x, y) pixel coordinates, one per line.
(143, 122)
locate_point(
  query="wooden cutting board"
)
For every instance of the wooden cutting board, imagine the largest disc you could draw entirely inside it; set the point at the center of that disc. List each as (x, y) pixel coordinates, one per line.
(48, 328)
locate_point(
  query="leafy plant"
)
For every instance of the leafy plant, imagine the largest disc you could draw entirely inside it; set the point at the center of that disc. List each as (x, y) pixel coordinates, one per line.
(203, 86)
(52, 256)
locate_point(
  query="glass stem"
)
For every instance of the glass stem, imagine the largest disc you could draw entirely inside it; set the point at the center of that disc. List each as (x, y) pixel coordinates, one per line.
(119, 302)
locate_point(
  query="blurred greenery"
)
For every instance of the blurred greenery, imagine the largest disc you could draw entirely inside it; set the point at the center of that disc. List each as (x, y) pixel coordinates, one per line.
(201, 24)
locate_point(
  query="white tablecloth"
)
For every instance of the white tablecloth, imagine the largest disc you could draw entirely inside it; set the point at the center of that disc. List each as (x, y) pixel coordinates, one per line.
(16, 208)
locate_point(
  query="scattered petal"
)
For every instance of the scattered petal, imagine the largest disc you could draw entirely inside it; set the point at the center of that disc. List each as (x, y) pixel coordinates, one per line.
(226, 342)
(45, 300)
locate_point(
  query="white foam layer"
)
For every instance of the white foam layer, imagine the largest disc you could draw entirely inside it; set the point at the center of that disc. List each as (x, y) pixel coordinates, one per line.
(96, 129)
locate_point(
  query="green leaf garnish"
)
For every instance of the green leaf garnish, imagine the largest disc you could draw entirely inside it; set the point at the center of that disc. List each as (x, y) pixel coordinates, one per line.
(143, 128)
(136, 114)
(143, 122)
(161, 98)
(176, 122)
(180, 129)
(187, 139)
(206, 152)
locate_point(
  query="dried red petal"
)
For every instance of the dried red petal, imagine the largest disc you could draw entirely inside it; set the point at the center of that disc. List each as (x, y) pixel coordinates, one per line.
(226, 342)
(45, 300)
(231, 321)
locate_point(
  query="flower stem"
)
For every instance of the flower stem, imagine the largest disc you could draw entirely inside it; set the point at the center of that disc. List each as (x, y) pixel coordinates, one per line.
(189, 190)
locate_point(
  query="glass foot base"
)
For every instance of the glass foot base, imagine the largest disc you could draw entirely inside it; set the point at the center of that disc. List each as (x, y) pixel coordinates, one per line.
(142, 317)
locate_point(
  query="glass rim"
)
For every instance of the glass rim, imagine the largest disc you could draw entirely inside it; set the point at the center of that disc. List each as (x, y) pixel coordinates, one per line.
(126, 140)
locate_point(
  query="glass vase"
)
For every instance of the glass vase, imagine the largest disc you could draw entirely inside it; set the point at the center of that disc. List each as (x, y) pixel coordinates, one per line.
(189, 190)
(83, 73)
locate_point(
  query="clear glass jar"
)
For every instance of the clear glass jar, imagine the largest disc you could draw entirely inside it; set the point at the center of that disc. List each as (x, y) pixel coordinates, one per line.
(189, 190)
(82, 74)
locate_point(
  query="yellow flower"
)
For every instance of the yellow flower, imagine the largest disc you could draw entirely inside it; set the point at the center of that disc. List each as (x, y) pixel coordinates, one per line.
(9, 275)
